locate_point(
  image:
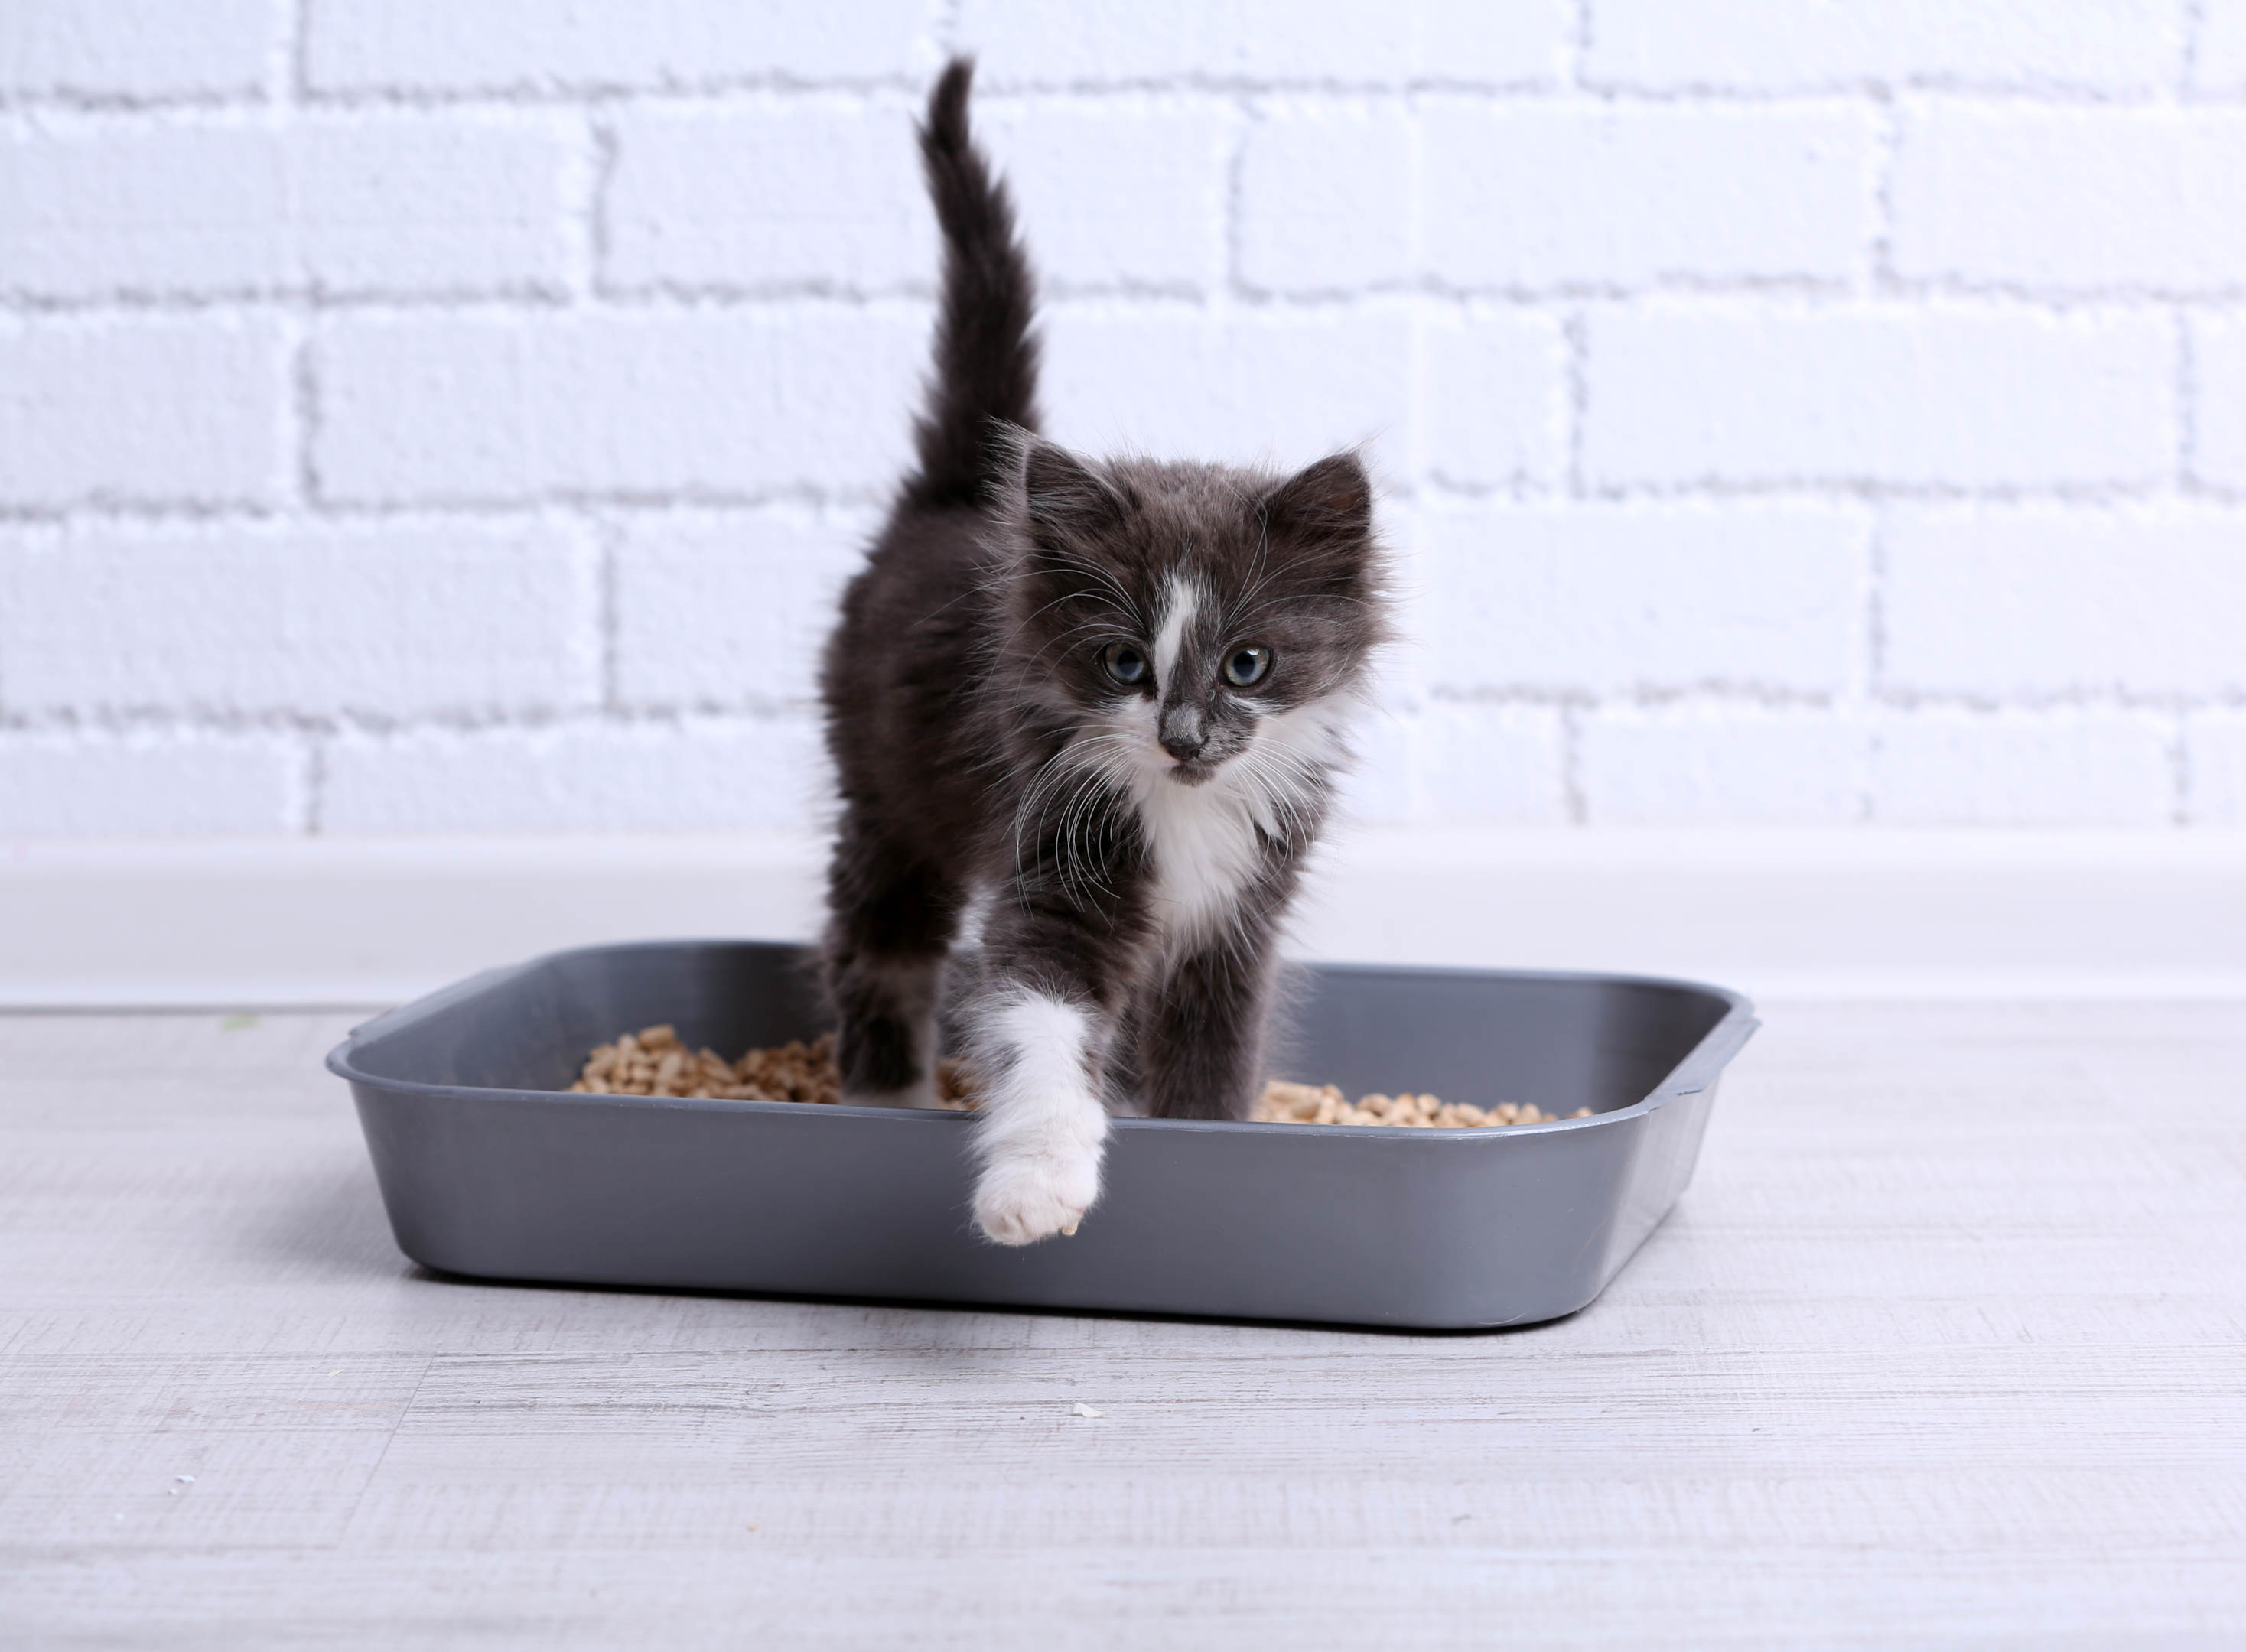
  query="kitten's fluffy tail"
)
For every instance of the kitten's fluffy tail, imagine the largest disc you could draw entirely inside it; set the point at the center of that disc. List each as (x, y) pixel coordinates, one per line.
(986, 363)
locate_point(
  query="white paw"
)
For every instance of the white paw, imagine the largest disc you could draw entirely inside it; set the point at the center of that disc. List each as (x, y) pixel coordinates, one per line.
(1018, 1201)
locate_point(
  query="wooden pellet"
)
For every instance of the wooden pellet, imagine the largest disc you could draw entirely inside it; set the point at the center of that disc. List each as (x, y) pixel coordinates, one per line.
(652, 1062)
(1283, 1103)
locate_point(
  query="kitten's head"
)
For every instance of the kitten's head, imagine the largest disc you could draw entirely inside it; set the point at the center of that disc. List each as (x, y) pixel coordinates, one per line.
(1192, 612)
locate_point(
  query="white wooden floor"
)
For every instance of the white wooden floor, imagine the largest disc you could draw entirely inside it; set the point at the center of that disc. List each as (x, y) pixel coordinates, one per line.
(1946, 1347)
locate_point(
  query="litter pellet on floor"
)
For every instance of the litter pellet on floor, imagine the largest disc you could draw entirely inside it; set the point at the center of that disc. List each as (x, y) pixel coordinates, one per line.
(652, 1062)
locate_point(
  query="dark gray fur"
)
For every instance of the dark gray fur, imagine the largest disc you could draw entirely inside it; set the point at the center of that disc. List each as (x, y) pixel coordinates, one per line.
(968, 661)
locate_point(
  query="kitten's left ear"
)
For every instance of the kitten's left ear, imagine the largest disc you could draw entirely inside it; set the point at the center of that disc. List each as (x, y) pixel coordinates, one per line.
(1329, 504)
(1320, 520)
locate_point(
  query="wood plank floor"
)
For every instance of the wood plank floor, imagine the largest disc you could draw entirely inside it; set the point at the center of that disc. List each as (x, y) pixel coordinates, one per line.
(1945, 1348)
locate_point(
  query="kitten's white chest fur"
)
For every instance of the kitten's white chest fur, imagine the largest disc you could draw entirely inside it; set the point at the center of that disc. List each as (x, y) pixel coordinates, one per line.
(1202, 842)
(1204, 839)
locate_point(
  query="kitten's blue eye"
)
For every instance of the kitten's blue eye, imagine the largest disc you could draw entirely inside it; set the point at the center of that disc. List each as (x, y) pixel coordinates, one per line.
(1247, 667)
(1124, 663)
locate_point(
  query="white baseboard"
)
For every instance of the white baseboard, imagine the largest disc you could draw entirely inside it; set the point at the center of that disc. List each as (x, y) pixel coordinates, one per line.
(1779, 915)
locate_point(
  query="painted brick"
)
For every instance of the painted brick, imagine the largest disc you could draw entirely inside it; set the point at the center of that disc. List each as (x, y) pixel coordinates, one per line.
(2215, 764)
(389, 619)
(2219, 406)
(1527, 196)
(1610, 599)
(729, 611)
(1486, 765)
(160, 785)
(822, 193)
(2070, 767)
(724, 401)
(2114, 45)
(1492, 398)
(141, 408)
(758, 332)
(1964, 396)
(1710, 765)
(1403, 671)
(1284, 388)
(2072, 197)
(499, 45)
(1380, 785)
(2219, 61)
(1326, 196)
(383, 204)
(1124, 191)
(746, 775)
(1999, 603)
(178, 208)
(1107, 42)
(134, 49)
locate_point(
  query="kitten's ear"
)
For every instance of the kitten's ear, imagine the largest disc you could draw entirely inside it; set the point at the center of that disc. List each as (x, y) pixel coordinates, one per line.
(1330, 505)
(1065, 502)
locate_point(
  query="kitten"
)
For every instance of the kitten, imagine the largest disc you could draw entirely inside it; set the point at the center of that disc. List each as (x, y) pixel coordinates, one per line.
(1109, 697)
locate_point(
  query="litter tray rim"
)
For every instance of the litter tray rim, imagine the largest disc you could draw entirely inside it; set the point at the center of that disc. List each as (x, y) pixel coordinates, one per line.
(1706, 1061)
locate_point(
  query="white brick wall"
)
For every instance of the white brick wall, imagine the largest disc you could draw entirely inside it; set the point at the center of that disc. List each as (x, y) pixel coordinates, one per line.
(1492, 399)
(1893, 394)
(1612, 196)
(727, 611)
(1285, 386)
(1647, 600)
(623, 404)
(2217, 456)
(135, 50)
(442, 49)
(2087, 198)
(654, 775)
(390, 619)
(1996, 604)
(219, 208)
(1704, 765)
(1254, 43)
(148, 783)
(2090, 766)
(784, 193)
(142, 410)
(2214, 753)
(458, 417)
(2118, 47)
(2219, 62)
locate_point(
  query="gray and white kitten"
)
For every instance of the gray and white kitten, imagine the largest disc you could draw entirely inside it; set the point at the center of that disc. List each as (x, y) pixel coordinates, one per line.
(1108, 699)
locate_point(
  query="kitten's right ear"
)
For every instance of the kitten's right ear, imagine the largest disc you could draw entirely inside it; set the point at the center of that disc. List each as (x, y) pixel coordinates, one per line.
(1065, 502)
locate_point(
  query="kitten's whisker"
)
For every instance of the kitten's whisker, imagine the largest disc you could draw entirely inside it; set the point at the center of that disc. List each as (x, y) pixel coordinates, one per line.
(1098, 575)
(1260, 571)
(1106, 576)
(1096, 771)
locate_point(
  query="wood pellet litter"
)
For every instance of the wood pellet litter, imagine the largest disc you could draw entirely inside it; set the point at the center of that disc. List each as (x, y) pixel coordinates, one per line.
(652, 1062)
(1288, 1104)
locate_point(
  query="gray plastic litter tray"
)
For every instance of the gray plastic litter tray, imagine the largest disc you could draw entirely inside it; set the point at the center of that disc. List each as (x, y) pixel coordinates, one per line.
(489, 1168)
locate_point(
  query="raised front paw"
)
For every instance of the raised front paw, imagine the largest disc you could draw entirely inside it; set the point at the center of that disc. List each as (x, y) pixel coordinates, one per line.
(1018, 1201)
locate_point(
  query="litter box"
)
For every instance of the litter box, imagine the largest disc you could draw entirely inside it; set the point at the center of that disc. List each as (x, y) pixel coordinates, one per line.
(489, 1168)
